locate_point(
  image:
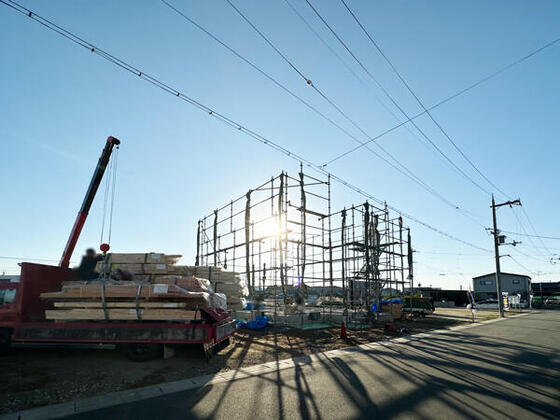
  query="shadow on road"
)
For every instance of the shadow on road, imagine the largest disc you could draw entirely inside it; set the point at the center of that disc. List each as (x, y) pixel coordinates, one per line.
(465, 374)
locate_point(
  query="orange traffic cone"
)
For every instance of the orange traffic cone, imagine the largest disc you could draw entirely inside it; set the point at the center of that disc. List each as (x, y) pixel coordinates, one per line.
(343, 334)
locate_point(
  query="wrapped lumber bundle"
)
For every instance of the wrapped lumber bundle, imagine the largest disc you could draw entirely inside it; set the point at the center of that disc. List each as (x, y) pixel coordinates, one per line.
(226, 282)
(114, 300)
(159, 268)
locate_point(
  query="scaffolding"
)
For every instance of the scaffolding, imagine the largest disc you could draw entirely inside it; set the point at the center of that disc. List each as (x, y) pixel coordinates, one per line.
(296, 255)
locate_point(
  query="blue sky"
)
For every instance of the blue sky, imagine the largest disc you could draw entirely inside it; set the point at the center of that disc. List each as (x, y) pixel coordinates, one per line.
(59, 103)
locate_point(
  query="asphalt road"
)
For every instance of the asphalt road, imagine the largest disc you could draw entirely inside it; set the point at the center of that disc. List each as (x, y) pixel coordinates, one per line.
(508, 369)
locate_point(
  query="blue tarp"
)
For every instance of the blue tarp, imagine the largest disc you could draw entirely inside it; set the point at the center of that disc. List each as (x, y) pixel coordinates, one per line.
(392, 300)
(385, 302)
(258, 324)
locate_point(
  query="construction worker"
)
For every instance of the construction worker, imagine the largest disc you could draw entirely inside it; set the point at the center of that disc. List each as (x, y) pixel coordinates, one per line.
(86, 270)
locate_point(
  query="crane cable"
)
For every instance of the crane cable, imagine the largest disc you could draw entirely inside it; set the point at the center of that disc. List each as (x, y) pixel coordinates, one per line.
(109, 197)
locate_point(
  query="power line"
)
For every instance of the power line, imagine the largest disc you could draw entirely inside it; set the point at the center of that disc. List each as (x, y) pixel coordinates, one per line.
(405, 83)
(535, 231)
(220, 117)
(405, 170)
(531, 236)
(457, 94)
(526, 233)
(444, 132)
(522, 266)
(343, 62)
(435, 146)
(530, 256)
(400, 168)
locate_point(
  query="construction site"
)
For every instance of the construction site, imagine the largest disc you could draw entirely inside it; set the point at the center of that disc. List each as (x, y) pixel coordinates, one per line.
(294, 209)
(304, 264)
(277, 273)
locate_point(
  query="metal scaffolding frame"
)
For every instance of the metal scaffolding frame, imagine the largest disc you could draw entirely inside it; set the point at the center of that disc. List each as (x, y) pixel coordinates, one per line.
(283, 239)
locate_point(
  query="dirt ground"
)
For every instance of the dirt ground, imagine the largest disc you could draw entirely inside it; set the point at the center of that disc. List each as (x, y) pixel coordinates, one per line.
(32, 377)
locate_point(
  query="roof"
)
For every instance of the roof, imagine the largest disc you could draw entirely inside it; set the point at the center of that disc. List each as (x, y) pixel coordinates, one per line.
(509, 274)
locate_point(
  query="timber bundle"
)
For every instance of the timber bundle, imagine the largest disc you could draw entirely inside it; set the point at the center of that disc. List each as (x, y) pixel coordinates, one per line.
(148, 287)
(153, 267)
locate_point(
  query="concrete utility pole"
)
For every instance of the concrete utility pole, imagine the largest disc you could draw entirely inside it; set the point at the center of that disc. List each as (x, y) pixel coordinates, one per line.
(497, 241)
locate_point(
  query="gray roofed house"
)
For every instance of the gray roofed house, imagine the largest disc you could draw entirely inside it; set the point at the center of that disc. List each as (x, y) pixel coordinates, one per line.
(484, 287)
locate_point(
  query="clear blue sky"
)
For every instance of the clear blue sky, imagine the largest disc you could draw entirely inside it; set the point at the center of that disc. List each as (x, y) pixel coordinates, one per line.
(59, 103)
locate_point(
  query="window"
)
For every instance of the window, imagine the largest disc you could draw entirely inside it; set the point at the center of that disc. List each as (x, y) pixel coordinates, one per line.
(7, 296)
(515, 281)
(486, 282)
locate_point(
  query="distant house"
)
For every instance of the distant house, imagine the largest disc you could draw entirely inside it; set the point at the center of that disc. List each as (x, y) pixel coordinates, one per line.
(439, 295)
(546, 288)
(9, 278)
(484, 287)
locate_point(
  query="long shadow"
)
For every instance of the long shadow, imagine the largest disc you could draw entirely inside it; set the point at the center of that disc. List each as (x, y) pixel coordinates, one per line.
(479, 384)
(505, 371)
(466, 372)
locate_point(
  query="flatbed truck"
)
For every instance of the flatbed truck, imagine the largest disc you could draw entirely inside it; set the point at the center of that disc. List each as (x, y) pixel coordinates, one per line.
(22, 320)
(22, 311)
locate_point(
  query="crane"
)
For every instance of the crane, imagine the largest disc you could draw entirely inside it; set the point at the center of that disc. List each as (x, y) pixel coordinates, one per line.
(88, 200)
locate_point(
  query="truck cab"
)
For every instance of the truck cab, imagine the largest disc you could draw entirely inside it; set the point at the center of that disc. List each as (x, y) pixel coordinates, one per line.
(8, 313)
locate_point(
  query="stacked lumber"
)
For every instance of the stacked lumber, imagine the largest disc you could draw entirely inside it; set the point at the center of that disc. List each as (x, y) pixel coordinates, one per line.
(226, 282)
(142, 267)
(160, 268)
(114, 300)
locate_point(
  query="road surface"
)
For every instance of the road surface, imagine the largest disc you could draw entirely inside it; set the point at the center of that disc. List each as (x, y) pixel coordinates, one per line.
(507, 369)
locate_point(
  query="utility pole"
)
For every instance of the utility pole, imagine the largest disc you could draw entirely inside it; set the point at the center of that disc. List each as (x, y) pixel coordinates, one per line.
(498, 240)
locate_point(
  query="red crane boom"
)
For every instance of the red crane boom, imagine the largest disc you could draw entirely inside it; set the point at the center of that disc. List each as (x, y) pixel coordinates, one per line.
(88, 199)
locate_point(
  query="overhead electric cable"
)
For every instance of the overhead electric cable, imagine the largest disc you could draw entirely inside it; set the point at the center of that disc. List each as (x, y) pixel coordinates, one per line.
(522, 266)
(443, 131)
(405, 83)
(555, 238)
(394, 102)
(457, 94)
(220, 117)
(530, 256)
(408, 173)
(400, 168)
(532, 242)
(535, 231)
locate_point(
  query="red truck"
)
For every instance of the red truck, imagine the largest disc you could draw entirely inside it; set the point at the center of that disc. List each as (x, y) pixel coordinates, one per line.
(22, 320)
(22, 311)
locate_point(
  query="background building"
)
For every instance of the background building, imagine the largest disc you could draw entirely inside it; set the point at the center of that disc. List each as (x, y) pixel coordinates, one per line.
(484, 286)
(546, 288)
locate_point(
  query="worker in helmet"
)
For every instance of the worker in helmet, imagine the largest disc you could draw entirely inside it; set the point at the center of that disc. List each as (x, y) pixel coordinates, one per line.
(86, 270)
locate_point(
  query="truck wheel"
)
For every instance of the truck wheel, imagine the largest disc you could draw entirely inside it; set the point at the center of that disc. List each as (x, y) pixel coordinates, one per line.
(142, 352)
(5, 342)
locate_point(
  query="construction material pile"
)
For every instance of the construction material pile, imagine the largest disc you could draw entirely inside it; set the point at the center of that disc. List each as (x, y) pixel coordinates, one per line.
(131, 300)
(226, 282)
(149, 287)
(157, 268)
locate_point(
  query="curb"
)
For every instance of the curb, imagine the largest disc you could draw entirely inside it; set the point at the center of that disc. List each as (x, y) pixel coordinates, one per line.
(124, 397)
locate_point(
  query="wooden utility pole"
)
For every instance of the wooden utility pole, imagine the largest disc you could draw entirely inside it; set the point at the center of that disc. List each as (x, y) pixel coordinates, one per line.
(497, 238)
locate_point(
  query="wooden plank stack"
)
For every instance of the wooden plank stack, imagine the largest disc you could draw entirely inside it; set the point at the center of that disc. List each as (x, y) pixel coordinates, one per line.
(161, 268)
(118, 300)
(143, 267)
(226, 282)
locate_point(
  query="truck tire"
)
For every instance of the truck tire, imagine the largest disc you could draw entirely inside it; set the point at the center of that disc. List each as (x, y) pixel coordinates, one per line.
(142, 352)
(5, 342)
